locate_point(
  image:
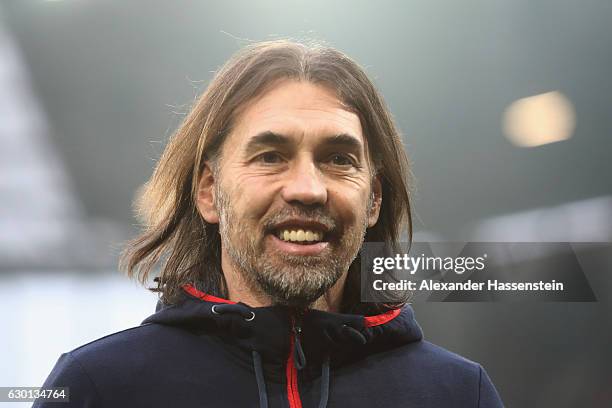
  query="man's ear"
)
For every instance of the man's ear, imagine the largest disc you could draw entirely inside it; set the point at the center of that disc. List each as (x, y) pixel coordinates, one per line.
(376, 202)
(206, 196)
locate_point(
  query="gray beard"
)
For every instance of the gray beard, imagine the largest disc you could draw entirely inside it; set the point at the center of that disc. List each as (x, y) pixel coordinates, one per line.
(299, 281)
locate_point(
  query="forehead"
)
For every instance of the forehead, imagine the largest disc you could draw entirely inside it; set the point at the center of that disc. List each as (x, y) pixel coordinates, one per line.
(297, 109)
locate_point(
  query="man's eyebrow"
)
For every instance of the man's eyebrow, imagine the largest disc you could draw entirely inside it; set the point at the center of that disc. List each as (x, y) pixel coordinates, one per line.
(269, 138)
(344, 139)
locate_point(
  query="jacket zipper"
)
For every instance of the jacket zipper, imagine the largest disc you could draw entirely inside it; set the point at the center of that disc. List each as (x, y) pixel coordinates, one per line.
(293, 393)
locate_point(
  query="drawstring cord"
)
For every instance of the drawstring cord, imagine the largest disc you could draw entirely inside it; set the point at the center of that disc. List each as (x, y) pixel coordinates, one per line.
(261, 382)
(324, 383)
(299, 356)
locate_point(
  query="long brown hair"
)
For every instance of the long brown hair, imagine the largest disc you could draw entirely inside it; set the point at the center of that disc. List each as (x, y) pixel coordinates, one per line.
(178, 240)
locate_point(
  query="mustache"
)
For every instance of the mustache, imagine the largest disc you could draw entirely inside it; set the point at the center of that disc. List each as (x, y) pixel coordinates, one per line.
(310, 214)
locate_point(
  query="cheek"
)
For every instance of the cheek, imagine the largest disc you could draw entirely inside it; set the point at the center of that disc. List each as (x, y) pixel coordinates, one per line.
(349, 205)
(250, 198)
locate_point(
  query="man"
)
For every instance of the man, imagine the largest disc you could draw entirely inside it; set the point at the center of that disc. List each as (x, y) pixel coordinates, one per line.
(259, 207)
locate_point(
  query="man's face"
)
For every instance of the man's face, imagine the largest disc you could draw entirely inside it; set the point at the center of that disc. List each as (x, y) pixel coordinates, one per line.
(294, 193)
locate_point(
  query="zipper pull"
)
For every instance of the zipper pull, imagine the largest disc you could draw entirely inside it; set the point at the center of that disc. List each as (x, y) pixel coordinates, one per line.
(298, 353)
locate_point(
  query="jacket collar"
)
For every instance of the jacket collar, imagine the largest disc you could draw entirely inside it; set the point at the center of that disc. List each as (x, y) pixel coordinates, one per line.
(269, 330)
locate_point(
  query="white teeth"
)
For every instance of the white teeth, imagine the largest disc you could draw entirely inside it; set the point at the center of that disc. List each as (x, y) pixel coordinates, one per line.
(299, 235)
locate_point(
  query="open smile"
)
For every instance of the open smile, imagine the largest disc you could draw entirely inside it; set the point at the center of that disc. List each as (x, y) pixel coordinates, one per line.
(300, 237)
(303, 248)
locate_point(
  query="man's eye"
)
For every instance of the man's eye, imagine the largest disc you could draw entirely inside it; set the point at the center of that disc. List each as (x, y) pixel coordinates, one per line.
(270, 157)
(341, 160)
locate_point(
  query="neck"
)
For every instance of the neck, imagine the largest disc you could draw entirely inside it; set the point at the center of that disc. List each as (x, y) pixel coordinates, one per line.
(240, 291)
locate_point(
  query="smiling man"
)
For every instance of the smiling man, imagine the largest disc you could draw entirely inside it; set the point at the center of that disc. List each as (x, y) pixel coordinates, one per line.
(289, 195)
(256, 214)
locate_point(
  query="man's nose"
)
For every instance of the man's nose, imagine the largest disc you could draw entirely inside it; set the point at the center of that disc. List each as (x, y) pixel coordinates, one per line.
(304, 183)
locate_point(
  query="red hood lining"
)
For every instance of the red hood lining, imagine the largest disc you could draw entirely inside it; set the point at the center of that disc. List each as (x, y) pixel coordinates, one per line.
(189, 288)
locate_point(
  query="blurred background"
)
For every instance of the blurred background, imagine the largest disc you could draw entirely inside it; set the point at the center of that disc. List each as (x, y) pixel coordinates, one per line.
(506, 113)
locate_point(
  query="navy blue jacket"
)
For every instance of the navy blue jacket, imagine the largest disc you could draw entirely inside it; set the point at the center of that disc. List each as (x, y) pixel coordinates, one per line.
(210, 352)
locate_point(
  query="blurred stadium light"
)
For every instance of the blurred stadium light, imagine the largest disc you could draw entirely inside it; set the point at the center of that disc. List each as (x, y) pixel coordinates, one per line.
(540, 119)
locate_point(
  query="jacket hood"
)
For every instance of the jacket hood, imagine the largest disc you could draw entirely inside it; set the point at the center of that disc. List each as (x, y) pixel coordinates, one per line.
(282, 341)
(268, 330)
